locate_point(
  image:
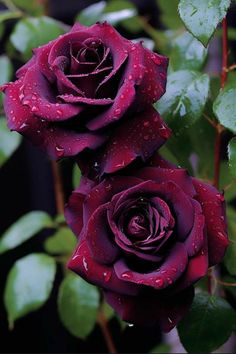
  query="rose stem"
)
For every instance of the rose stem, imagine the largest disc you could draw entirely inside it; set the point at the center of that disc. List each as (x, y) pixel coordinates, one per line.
(59, 195)
(106, 332)
(218, 127)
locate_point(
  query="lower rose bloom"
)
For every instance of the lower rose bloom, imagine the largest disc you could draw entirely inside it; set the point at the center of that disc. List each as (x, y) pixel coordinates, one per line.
(146, 238)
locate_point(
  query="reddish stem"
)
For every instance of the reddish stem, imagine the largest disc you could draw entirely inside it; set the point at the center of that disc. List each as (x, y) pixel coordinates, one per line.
(59, 195)
(106, 333)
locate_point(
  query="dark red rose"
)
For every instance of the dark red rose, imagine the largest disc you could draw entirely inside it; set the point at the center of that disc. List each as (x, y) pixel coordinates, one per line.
(88, 88)
(146, 238)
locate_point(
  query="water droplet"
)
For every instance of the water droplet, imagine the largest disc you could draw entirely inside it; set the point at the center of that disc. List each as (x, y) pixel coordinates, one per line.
(126, 275)
(169, 319)
(107, 276)
(23, 126)
(34, 97)
(220, 197)
(59, 112)
(59, 151)
(159, 282)
(34, 109)
(85, 264)
(130, 77)
(117, 111)
(130, 325)
(21, 96)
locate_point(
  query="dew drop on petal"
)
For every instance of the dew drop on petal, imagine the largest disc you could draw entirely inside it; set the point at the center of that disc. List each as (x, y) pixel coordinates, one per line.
(59, 151)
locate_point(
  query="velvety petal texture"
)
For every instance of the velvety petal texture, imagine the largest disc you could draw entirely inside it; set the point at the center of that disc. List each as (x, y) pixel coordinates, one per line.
(90, 89)
(146, 237)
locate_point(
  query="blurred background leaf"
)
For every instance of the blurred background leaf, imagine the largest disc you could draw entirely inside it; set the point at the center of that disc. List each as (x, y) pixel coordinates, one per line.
(23, 229)
(78, 304)
(29, 285)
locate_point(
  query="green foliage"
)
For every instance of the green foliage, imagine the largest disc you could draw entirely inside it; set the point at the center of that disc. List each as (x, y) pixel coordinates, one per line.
(232, 157)
(62, 242)
(230, 257)
(9, 141)
(9, 15)
(32, 7)
(208, 324)
(201, 17)
(185, 98)
(161, 349)
(29, 284)
(23, 229)
(78, 304)
(91, 14)
(33, 32)
(225, 108)
(76, 176)
(169, 13)
(114, 12)
(5, 72)
(187, 53)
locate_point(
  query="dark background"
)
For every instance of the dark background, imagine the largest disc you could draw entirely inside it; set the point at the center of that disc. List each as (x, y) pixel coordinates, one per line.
(26, 184)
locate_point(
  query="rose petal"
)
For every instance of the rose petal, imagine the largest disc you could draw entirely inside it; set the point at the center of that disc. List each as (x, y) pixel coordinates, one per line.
(139, 136)
(171, 269)
(100, 238)
(194, 241)
(104, 192)
(179, 176)
(122, 102)
(99, 274)
(168, 191)
(90, 101)
(54, 139)
(152, 308)
(74, 207)
(38, 96)
(153, 84)
(213, 206)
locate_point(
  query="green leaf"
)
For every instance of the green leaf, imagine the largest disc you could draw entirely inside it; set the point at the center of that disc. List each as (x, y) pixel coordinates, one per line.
(9, 15)
(33, 7)
(201, 17)
(29, 284)
(226, 182)
(224, 108)
(161, 348)
(6, 71)
(23, 229)
(91, 14)
(208, 324)
(117, 11)
(230, 256)
(31, 33)
(76, 176)
(9, 141)
(108, 311)
(232, 156)
(169, 13)
(185, 98)
(62, 242)
(187, 53)
(78, 304)
(1, 29)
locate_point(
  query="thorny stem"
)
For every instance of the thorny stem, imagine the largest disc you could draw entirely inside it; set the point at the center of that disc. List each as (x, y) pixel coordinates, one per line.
(59, 195)
(106, 332)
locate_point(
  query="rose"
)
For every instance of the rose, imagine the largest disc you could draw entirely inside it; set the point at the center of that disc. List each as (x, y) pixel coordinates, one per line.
(87, 88)
(146, 238)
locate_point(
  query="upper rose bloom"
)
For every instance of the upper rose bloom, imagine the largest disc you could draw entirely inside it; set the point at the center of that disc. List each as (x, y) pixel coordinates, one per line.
(146, 238)
(88, 87)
